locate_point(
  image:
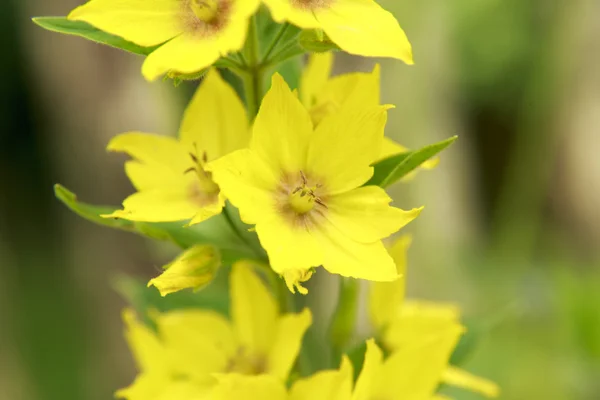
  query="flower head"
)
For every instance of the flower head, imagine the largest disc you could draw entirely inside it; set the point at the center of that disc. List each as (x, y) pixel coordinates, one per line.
(169, 174)
(192, 34)
(302, 188)
(358, 27)
(193, 349)
(400, 324)
(322, 94)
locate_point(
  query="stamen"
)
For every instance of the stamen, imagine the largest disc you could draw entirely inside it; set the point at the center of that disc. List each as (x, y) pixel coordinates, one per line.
(205, 10)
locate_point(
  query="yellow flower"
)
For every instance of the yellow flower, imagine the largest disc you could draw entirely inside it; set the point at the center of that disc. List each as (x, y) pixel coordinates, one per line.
(412, 372)
(193, 349)
(193, 34)
(359, 27)
(301, 187)
(194, 268)
(169, 174)
(400, 323)
(323, 95)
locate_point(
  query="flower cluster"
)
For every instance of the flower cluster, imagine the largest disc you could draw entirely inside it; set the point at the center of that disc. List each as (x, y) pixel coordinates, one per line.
(265, 185)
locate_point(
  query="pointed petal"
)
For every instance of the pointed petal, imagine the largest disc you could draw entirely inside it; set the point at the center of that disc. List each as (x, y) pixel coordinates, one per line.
(151, 176)
(364, 214)
(254, 311)
(289, 247)
(287, 342)
(460, 378)
(244, 387)
(314, 77)
(344, 145)
(145, 386)
(414, 371)
(390, 148)
(417, 320)
(248, 182)
(346, 257)
(325, 385)
(184, 54)
(342, 88)
(363, 28)
(215, 121)
(386, 298)
(144, 22)
(283, 10)
(157, 205)
(282, 129)
(370, 375)
(200, 342)
(153, 149)
(149, 353)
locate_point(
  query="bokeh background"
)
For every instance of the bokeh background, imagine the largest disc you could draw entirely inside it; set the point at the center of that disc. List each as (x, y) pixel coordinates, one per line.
(511, 230)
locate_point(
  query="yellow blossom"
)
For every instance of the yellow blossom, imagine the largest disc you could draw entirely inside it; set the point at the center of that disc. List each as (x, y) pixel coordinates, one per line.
(359, 27)
(192, 34)
(195, 268)
(323, 94)
(301, 187)
(169, 174)
(194, 349)
(400, 323)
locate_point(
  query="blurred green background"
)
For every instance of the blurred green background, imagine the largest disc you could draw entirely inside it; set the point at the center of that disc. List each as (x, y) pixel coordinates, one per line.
(510, 232)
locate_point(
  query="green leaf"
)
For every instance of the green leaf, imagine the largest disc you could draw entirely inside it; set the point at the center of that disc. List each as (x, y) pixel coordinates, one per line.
(394, 168)
(87, 31)
(225, 231)
(316, 41)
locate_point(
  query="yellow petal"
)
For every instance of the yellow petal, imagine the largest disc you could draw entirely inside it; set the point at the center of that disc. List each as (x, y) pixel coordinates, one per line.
(151, 176)
(149, 353)
(200, 342)
(248, 182)
(344, 145)
(286, 344)
(350, 258)
(363, 28)
(153, 149)
(144, 22)
(289, 247)
(283, 10)
(157, 205)
(419, 319)
(460, 378)
(282, 129)
(184, 54)
(294, 279)
(370, 375)
(325, 385)
(254, 311)
(386, 298)
(244, 387)
(208, 211)
(314, 77)
(215, 122)
(145, 386)
(364, 214)
(414, 370)
(194, 268)
(360, 87)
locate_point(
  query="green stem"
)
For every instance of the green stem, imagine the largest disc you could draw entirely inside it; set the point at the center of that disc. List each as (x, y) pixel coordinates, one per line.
(253, 77)
(275, 42)
(344, 319)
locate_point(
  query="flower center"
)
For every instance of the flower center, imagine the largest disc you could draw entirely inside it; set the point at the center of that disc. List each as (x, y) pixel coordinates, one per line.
(303, 198)
(204, 191)
(246, 364)
(205, 10)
